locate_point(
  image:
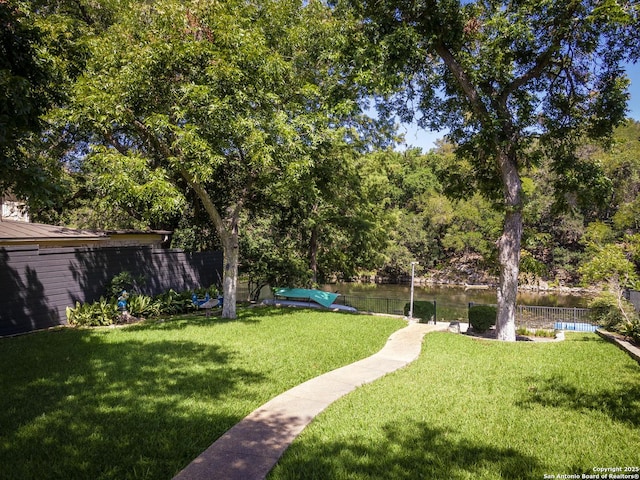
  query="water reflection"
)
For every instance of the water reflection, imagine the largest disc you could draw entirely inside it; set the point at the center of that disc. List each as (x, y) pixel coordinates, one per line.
(453, 301)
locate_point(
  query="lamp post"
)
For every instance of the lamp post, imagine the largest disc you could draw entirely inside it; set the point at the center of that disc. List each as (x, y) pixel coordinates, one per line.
(413, 271)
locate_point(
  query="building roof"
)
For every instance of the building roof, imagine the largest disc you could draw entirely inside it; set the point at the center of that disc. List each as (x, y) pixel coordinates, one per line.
(11, 230)
(22, 233)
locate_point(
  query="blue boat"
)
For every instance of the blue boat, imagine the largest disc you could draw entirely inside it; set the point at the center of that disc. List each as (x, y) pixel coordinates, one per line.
(308, 298)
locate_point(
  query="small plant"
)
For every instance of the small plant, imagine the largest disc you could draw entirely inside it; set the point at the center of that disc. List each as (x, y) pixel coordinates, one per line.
(482, 317)
(212, 291)
(105, 311)
(544, 333)
(606, 310)
(631, 329)
(81, 314)
(142, 305)
(615, 313)
(108, 311)
(540, 332)
(172, 302)
(100, 313)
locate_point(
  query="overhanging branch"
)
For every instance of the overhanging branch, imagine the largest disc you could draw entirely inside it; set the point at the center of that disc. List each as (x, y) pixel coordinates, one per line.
(464, 81)
(165, 151)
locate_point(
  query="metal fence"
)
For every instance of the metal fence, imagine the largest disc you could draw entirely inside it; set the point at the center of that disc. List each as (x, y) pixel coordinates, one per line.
(555, 318)
(391, 306)
(558, 318)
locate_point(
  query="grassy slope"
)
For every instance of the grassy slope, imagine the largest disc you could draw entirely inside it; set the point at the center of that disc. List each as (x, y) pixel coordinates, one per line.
(143, 401)
(472, 409)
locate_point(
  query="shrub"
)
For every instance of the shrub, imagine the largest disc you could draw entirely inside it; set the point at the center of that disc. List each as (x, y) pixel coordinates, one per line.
(141, 305)
(544, 333)
(631, 329)
(81, 314)
(172, 302)
(609, 311)
(425, 311)
(201, 292)
(105, 312)
(124, 281)
(102, 312)
(482, 317)
(614, 313)
(524, 331)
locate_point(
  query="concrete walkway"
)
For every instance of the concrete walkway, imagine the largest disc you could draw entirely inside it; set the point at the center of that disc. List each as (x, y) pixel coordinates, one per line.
(250, 449)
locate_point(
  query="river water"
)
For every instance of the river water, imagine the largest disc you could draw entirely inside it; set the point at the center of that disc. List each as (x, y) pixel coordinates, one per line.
(452, 302)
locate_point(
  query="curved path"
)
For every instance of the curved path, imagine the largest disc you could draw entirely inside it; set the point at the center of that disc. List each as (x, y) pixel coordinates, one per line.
(250, 449)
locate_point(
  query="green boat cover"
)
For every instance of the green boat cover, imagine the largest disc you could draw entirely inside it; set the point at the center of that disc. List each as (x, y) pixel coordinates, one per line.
(323, 298)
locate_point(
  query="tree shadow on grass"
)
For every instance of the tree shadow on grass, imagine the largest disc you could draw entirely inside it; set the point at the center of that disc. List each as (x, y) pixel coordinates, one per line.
(622, 404)
(196, 319)
(407, 452)
(590, 337)
(76, 406)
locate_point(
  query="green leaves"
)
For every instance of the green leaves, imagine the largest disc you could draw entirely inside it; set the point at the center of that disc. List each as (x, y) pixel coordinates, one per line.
(135, 194)
(223, 104)
(29, 86)
(609, 262)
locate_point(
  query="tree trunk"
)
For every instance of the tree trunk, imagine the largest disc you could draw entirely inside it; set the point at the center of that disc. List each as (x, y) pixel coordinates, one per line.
(509, 249)
(230, 245)
(230, 276)
(509, 259)
(313, 254)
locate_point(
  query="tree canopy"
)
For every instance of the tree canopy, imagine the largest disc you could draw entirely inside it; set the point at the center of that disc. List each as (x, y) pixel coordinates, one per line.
(510, 81)
(231, 101)
(27, 90)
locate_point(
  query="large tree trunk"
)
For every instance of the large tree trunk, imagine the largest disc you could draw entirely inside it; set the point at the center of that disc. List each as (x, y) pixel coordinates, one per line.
(509, 249)
(509, 259)
(230, 245)
(230, 275)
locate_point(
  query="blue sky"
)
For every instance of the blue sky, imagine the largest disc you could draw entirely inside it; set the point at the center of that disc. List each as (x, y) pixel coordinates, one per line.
(425, 139)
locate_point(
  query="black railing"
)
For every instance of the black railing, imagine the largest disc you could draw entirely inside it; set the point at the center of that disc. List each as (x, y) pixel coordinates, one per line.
(388, 306)
(558, 318)
(391, 306)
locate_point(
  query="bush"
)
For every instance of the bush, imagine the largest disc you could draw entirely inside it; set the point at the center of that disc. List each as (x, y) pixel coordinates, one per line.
(201, 292)
(535, 333)
(482, 317)
(425, 311)
(82, 314)
(172, 302)
(615, 313)
(124, 281)
(102, 312)
(604, 311)
(631, 329)
(141, 305)
(105, 312)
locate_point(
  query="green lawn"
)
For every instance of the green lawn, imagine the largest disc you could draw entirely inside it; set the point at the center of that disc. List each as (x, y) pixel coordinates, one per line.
(143, 401)
(474, 409)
